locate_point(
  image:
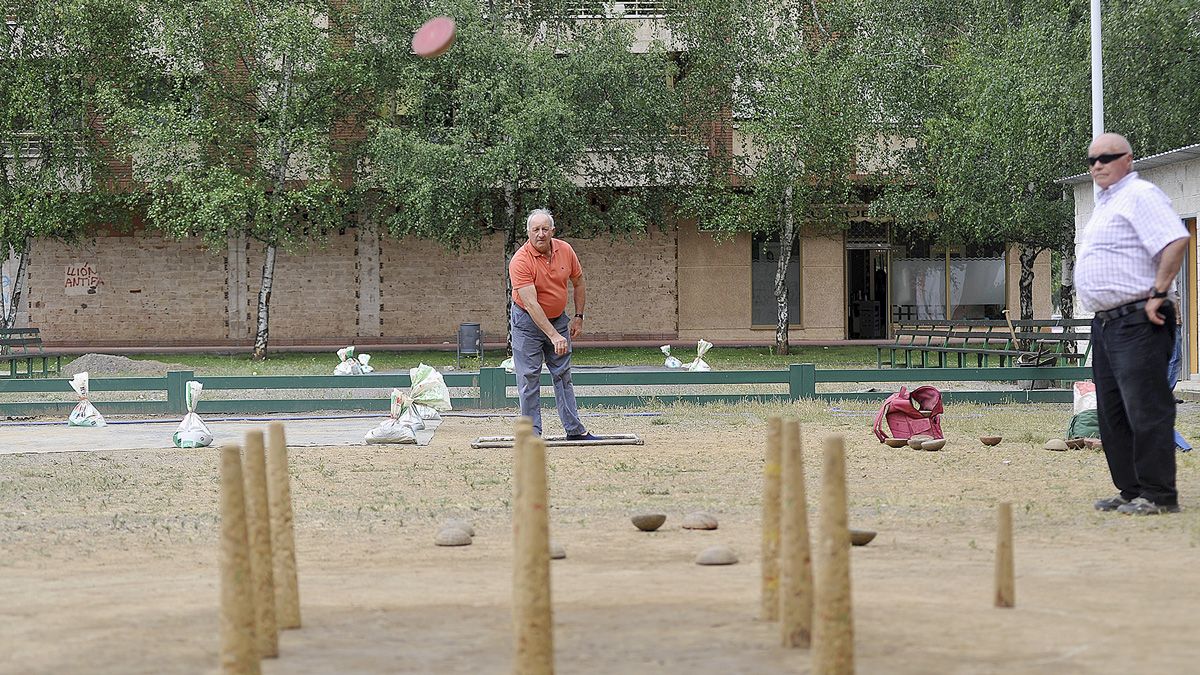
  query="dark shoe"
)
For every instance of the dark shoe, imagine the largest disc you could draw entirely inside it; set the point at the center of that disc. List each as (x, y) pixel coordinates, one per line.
(1111, 504)
(583, 437)
(1144, 507)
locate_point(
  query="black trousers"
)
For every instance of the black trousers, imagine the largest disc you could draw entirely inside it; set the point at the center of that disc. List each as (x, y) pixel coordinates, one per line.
(1135, 405)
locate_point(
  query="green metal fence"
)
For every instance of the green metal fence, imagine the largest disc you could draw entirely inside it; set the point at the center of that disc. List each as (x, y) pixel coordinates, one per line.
(493, 388)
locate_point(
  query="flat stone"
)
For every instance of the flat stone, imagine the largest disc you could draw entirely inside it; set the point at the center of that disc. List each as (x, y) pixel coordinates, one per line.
(861, 537)
(649, 522)
(557, 552)
(933, 445)
(452, 536)
(895, 442)
(1056, 444)
(699, 521)
(464, 525)
(916, 441)
(717, 555)
(990, 440)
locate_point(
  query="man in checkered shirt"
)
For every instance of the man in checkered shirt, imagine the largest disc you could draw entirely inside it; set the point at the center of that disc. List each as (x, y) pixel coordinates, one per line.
(1131, 250)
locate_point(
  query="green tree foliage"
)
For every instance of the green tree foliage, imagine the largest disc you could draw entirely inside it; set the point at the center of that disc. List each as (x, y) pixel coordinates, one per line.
(532, 107)
(231, 121)
(997, 116)
(53, 177)
(792, 74)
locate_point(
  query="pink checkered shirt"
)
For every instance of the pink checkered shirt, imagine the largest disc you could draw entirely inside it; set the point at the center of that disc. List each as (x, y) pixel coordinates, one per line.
(1117, 259)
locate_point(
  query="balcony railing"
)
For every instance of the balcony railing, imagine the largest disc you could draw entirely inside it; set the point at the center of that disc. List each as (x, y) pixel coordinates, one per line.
(630, 9)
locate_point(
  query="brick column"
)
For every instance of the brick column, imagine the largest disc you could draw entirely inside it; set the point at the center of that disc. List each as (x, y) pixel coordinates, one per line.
(367, 267)
(236, 289)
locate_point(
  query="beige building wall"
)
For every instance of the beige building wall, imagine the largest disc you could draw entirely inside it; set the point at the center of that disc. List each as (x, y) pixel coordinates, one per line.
(147, 286)
(1042, 302)
(714, 287)
(156, 291)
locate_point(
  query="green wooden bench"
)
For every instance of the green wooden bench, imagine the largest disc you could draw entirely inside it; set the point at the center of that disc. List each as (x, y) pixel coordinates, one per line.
(942, 343)
(24, 346)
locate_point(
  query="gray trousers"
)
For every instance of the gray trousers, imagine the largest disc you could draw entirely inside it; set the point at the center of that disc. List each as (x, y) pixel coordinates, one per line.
(530, 348)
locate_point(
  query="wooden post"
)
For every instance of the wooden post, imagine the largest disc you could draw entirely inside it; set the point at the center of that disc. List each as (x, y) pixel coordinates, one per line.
(532, 616)
(796, 597)
(833, 630)
(770, 521)
(1006, 590)
(283, 538)
(258, 528)
(239, 652)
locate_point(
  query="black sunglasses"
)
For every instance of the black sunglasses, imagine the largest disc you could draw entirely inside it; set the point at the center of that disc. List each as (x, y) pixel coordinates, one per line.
(1106, 158)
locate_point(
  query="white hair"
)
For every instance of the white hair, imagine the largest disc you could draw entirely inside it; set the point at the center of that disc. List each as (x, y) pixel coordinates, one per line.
(539, 212)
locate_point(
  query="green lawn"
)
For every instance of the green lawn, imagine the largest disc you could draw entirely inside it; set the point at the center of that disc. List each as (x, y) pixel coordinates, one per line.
(720, 358)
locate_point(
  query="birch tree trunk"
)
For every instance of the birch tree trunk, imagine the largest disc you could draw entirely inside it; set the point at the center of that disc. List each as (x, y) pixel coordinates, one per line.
(262, 331)
(787, 237)
(18, 286)
(1028, 256)
(264, 304)
(510, 248)
(1066, 290)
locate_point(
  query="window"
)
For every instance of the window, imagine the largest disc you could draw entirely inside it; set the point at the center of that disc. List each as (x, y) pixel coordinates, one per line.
(764, 261)
(923, 271)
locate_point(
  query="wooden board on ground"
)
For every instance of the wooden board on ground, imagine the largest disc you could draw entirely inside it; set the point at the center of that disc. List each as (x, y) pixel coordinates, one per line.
(554, 441)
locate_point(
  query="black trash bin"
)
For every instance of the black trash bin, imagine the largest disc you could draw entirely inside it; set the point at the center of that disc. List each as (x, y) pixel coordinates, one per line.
(470, 341)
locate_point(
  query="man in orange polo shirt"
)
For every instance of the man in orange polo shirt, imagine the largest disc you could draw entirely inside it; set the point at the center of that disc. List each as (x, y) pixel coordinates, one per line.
(541, 331)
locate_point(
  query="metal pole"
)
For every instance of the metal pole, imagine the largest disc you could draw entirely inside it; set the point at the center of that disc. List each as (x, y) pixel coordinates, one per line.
(1097, 73)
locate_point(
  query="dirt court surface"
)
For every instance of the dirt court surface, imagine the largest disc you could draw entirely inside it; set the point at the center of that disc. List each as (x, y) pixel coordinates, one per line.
(108, 559)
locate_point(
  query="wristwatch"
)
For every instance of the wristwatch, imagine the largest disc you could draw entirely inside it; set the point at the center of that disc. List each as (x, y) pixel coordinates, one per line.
(579, 316)
(1156, 294)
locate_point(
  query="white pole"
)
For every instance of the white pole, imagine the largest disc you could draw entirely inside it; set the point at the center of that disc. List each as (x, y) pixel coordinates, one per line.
(1097, 74)
(1097, 84)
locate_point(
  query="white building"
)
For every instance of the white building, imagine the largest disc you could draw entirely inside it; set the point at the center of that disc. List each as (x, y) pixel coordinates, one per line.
(1177, 173)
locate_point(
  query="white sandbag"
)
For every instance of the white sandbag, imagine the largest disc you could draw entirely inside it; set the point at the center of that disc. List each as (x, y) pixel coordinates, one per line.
(84, 414)
(348, 364)
(507, 364)
(1085, 396)
(412, 418)
(364, 361)
(429, 388)
(192, 431)
(427, 413)
(698, 364)
(671, 361)
(393, 429)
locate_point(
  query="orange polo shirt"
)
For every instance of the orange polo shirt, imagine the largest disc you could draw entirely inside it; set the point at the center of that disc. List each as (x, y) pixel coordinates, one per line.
(548, 275)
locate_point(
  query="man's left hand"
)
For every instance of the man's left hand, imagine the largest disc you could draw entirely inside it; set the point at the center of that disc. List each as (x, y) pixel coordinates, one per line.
(1152, 312)
(576, 327)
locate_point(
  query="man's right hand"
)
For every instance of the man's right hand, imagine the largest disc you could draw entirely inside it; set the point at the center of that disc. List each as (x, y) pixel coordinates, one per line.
(560, 344)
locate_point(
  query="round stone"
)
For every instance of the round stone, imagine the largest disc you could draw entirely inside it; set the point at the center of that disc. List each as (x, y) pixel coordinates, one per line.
(452, 536)
(464, 525)
(1056, 444)
(861, 537)
(699, 521)
(649, 522)
(933, 445)
(717, 555)
(916, 441)
(557, 552)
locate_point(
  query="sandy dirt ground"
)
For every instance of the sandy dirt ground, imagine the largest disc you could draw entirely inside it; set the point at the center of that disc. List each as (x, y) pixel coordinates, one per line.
(108, 559)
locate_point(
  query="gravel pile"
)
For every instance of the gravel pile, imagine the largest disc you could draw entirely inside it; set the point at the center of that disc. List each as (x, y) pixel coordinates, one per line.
(102, 365)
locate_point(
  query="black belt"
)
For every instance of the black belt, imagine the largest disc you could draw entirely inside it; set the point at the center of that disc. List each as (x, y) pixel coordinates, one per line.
(1125, 310)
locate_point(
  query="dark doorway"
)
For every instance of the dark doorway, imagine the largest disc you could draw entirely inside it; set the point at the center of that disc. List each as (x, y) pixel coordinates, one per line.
(867, 293)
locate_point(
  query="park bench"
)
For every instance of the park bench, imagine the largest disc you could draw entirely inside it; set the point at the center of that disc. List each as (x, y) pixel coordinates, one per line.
(24, 346)
(980, 342)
